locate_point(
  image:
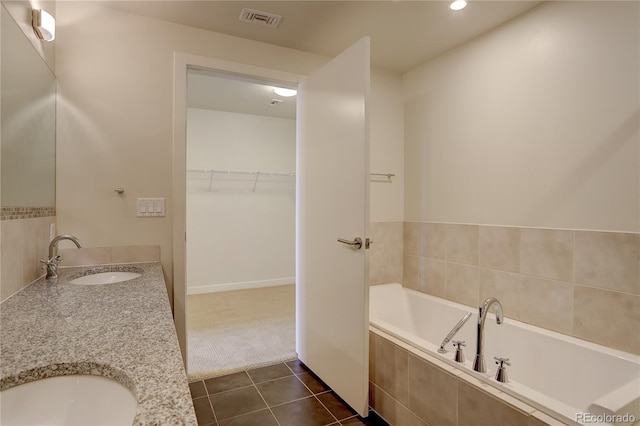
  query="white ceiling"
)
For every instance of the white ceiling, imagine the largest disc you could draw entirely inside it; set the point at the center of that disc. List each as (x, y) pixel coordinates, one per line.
(207, 90)
(404, 34)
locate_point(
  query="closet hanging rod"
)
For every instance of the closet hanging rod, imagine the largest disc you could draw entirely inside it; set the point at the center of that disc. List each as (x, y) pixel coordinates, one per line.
(387, 175)
(251, 172)
(242, 172)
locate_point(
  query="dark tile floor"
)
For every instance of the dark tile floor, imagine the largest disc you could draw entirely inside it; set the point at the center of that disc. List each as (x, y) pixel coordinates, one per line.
(287, 394)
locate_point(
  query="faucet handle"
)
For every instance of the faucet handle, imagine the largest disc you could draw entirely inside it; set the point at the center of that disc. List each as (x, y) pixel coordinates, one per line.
(502, 361)
(459, 344)
(51, 262)
(501, 374)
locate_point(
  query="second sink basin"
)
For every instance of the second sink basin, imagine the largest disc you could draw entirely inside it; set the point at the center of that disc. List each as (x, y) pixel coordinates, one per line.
(107, 275)
(68, 400)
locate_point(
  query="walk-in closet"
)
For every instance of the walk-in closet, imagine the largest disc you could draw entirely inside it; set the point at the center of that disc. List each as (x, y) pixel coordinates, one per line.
(240, 242)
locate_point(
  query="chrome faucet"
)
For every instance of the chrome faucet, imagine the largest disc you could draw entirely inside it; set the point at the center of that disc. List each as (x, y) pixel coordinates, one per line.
(478, 363)
(51, 264)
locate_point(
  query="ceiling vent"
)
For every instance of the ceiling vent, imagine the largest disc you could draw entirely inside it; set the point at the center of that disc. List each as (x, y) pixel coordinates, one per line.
(261, 18)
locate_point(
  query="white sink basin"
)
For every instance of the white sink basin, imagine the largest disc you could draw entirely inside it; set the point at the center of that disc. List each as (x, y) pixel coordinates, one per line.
(105, 278)
(68, 400)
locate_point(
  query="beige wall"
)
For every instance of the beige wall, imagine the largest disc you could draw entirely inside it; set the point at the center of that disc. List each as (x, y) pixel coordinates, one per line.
(533, 124)
(115, 74)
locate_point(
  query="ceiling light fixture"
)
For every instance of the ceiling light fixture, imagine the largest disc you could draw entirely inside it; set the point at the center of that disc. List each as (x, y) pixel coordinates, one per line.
(43, 24)
(458, 5)
(285, 93)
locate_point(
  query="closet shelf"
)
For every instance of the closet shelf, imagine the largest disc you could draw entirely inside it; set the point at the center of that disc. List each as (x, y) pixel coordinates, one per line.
(257, 174)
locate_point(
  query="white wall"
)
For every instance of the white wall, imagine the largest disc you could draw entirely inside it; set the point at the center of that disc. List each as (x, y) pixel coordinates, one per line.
(533, 124)
(237, 237)
(386, 147)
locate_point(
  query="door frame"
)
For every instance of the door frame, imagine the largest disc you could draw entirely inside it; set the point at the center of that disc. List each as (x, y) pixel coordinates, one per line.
(182, 62)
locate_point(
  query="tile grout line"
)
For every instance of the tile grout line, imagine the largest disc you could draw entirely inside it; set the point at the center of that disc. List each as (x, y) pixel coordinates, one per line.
(313, 394)
(262, 397)
(215, 416)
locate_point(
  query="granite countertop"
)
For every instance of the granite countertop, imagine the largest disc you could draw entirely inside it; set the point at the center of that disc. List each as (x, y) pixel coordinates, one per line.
(123, 330)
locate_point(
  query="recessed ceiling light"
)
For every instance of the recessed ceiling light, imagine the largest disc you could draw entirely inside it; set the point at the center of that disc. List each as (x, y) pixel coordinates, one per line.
(458, 5)
(285, 93)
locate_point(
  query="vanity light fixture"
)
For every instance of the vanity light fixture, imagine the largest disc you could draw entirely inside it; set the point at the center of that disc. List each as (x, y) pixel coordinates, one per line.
(43, 24)
(458, 5)
(285, 93)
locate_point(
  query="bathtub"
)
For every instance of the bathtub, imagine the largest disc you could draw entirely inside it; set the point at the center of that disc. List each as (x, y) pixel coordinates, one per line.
(571, 380)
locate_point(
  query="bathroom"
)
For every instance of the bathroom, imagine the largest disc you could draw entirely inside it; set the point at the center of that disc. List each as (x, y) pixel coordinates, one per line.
(528, 128)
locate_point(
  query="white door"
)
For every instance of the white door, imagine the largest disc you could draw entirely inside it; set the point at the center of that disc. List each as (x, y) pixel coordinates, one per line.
(332, 203)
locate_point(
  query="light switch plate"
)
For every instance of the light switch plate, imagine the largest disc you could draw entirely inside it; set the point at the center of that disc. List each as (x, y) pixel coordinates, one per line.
(150, 207)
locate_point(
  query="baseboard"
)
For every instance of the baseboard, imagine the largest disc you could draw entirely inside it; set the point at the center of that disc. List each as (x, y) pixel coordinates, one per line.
(214, 288)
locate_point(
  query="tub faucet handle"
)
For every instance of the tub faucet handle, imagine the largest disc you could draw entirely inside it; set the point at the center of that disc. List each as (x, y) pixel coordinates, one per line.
(459, 344)
(501, 374)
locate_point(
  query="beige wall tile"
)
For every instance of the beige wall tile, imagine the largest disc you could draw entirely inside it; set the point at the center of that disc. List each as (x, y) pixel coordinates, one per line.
(12, 257)
(391, 370)
(411, 272)
(547, 304)
(24, 243)
(388, 408)
(462, 284)
(608, 260)
(540, 419)
(411, 237)
(607, 317)
(372, 355)
(85, 256)
(387, 238)
(499, 248)
(433, 241)
(433, 393)
(415, 420)
(433, 275)
(505, 287)
(462, 243)
(478, 408)
(35, 246)
(547, 253)
(385, 269)
(129, 254)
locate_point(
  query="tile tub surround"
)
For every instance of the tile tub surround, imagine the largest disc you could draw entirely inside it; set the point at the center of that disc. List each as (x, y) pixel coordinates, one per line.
(408, 387)
(385, 254)
(122, 330)
(568, 281)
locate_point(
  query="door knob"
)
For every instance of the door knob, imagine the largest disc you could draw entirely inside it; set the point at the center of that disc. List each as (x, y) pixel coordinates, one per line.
(356, 243)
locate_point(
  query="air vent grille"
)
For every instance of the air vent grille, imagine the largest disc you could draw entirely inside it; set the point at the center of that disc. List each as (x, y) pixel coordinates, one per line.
(260, 18)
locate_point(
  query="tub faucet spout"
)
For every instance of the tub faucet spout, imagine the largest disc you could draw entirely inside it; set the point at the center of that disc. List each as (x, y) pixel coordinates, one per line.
(478, 363)
(51, 264)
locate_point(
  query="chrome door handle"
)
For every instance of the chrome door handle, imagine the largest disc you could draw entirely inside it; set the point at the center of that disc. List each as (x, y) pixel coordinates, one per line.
(356, 243)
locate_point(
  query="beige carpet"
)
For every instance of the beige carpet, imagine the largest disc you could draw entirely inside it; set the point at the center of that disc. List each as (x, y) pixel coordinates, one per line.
(237, 330)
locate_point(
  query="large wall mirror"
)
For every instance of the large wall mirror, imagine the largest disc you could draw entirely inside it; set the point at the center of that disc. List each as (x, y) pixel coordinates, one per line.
(28, 121)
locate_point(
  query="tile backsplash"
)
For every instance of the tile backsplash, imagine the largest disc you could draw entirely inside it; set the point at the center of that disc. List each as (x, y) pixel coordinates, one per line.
(25, 240)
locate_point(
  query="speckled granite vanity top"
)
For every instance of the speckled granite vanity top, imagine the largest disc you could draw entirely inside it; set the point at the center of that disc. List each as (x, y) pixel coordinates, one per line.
(122, 330)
